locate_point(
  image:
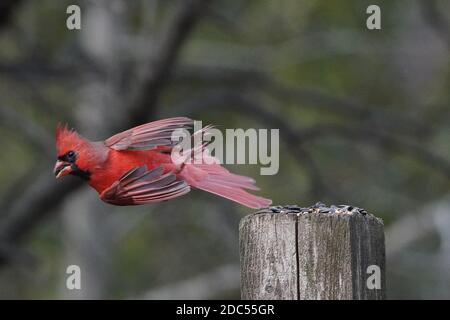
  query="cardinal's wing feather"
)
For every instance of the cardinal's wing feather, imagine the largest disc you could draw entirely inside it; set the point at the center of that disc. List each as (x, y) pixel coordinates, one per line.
(139, 186)
(150, 135)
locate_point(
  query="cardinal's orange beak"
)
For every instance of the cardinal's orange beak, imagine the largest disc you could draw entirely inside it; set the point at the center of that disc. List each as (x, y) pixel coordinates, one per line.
(62, 169)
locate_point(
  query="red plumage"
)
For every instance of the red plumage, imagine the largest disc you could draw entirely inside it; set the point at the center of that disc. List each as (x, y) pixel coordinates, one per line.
(135, 166)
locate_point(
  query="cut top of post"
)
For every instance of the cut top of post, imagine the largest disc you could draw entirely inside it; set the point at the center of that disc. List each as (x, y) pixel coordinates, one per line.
(317, 252)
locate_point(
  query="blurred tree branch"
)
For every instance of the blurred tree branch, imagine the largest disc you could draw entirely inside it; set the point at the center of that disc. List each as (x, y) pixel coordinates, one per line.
(38, 69)
(7, 8)
(383, 138)
(305, 97)
(34, 133)
(159, 64)
(436, 19)
(34, 204)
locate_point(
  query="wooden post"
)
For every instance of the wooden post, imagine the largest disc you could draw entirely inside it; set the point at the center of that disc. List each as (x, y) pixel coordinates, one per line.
(319, 252)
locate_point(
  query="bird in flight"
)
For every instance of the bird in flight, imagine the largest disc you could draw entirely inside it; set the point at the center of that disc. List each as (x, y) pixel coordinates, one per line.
(136, 166)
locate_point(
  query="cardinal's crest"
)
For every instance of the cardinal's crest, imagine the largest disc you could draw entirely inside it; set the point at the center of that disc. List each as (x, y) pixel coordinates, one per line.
(67, 139)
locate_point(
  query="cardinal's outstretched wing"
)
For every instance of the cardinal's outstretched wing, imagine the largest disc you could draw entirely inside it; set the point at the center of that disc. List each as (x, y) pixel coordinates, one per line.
(150, 135)
(139, 186)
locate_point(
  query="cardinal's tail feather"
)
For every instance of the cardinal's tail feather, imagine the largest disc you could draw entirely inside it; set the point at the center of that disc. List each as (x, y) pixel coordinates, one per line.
(210, 176)
(235, 194)
(216, 179)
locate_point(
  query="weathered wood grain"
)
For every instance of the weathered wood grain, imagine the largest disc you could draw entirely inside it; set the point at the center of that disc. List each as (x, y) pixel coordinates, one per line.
(268, 257)
(310, 255)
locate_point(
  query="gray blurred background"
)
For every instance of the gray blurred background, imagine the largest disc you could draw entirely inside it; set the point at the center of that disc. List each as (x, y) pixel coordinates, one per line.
(363, 118)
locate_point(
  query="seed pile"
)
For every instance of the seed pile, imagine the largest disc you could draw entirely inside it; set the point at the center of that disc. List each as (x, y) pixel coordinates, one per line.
(319, 207)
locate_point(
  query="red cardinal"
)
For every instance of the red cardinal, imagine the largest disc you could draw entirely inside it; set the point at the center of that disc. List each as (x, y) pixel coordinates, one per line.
(135, 167)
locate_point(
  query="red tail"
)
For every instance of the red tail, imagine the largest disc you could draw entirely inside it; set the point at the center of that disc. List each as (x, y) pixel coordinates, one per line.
(218, 180)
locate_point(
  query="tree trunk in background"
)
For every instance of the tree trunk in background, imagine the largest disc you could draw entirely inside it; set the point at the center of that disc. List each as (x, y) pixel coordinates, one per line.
(85, 218)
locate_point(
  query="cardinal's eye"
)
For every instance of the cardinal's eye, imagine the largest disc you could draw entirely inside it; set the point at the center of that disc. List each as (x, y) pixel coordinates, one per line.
(70, 155)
